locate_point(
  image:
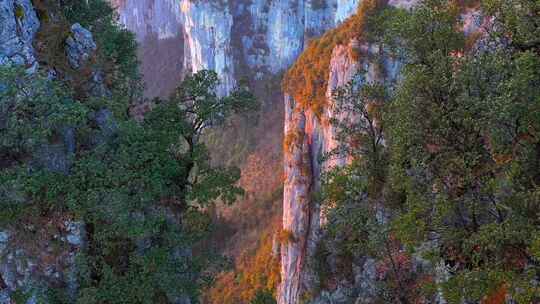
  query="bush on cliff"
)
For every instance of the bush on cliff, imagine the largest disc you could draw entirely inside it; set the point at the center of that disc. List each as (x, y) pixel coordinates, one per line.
(140, 189)
(462, 148)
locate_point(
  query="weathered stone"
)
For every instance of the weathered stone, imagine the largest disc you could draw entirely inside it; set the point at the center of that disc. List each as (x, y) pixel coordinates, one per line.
(79, 46)
(75, 233)
(52, 157)
(4, 238)
(18, 27)
(183, 300)
(97, 87)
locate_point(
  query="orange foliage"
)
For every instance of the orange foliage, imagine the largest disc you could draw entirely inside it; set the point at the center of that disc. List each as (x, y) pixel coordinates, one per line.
(286, 236)
(290, 141)
(307, 80)
(498, 296)
(253, 273)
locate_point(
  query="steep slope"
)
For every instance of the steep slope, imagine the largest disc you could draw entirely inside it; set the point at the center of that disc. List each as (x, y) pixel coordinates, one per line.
(328, 63)
(339, 56)
(253, 40)
(157, 26)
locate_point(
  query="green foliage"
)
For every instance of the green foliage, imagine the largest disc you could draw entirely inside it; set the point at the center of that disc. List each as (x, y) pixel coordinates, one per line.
(263, 297)
(202, 107)
(117, 45)
(139, 188)
(149, 185)
(459, 169)
(33, 111)
(462, 128)
(19, 12)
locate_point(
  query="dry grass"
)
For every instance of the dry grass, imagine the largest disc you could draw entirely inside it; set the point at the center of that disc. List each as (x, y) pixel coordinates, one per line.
(254, 272)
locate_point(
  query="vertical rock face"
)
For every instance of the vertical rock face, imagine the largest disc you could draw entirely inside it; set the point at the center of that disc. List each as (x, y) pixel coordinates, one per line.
(234, 38)
(308, 137)
(207, 27)
(18, 26)
(158, 28)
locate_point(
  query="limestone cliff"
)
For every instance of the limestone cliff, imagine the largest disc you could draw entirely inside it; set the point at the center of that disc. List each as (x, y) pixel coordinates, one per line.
(157, 26)
(234, 38)
(308, 136)
(255, 40)
(19, 25)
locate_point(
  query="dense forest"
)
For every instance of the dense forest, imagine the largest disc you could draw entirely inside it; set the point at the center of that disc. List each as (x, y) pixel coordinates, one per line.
(445, 160)
(439, 193)
(139, 186)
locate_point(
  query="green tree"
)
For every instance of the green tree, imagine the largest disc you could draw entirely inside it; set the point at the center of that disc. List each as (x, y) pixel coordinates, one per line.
(263, 297)
(459, 164)
(462, 133)
(143, 195)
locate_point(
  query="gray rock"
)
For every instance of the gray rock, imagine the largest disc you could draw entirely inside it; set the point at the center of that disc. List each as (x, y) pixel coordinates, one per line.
(79, 46)
(4, 239)
(18, 26)
(342, 295)
(183, 300)
(106, 123)
(323, 298)
(69, 140)
(57, 157)
(75, 233)
(52, 157)
(4, 297)
(97, 87)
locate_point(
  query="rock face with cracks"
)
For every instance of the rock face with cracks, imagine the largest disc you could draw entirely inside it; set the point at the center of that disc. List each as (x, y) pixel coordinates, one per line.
(19, 25)
(80, 46)
(234, 38)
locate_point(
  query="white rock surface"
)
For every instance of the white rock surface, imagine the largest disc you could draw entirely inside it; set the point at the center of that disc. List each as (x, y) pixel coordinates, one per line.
(18, 27)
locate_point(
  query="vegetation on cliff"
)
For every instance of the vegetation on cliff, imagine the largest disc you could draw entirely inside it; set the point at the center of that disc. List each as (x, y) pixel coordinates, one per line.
(456, 179)
(306, 81)
(254, 280)
(138, 188)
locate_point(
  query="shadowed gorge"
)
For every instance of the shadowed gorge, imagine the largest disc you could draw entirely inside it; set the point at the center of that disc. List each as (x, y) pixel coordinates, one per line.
(269, 151)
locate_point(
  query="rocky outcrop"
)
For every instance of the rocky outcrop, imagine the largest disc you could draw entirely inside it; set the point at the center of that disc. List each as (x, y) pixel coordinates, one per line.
(80, 46)
(19, 25)
(35, 259)
(303, 172)
(308, 137)
(39, 256)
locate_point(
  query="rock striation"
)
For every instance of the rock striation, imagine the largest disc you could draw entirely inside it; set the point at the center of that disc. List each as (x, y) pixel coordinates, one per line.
(19, 25)
(234, 38)
(157, 26)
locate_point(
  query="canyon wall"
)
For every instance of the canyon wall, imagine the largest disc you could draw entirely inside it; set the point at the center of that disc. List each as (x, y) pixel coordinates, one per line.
(310, 135)
(234, 38)
(257, 40)
(158, 28)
